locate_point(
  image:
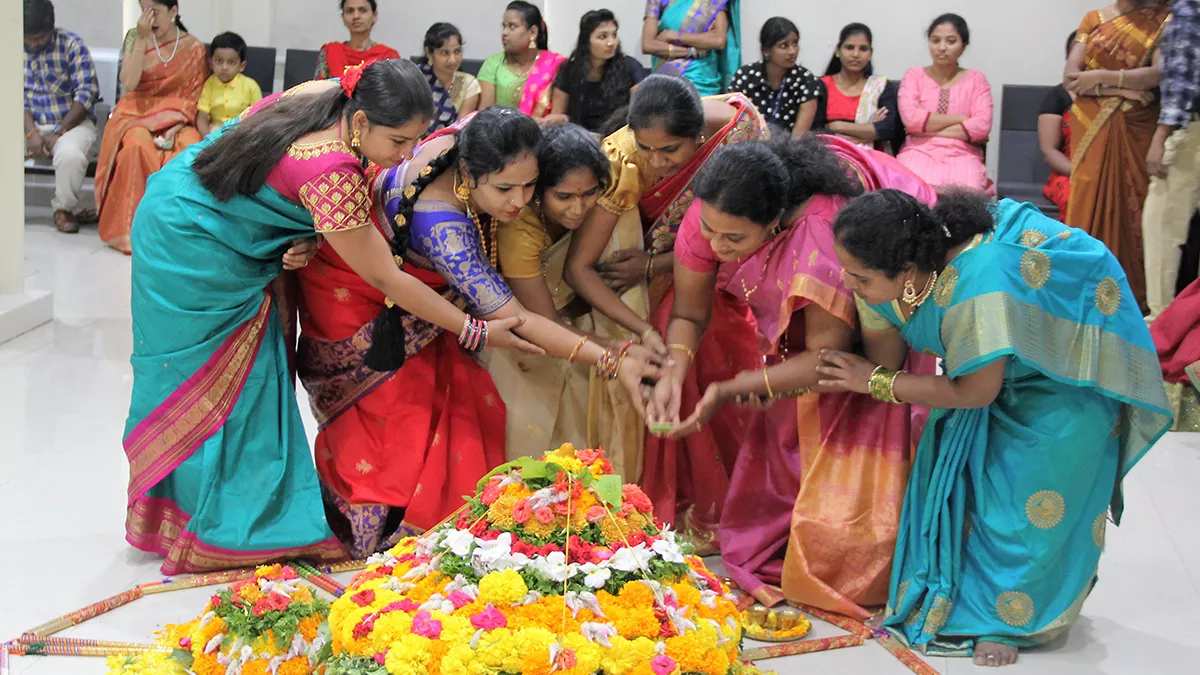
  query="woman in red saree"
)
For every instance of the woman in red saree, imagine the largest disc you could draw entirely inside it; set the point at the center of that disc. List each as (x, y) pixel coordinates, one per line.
(820, 476)
(163, 70)
(621, 259)
(360, 17)
(1176, 334)
(400, 446)
(1110, 71)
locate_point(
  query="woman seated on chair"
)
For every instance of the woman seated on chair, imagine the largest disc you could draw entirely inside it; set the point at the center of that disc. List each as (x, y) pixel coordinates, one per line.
(598, 79)
(455, 93)
(360, 17)
(1054, 137)
(521, 76)
(163, 69)
(854, 103)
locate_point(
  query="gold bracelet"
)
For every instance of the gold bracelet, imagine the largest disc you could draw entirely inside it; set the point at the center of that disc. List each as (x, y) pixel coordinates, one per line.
(649, 270)
(767, 380)
(1121, 79)
(31, 133)
(683, 348)
(575, 352)
(881, 386)
(643, 336)
(670, 51)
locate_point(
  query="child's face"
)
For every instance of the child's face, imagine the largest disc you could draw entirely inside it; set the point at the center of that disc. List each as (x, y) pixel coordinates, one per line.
(226, 64)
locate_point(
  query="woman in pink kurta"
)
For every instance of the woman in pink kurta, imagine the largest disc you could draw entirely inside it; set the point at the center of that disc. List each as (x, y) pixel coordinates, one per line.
(947, 112)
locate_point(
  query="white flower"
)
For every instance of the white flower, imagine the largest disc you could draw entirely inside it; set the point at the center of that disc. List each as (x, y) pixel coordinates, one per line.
(596, 575)
(437, 603)
(576, 601)
(668, 550)
(511, 561)
(385, 558)
(284, 587)
(678, 618)
(600, 633)
(417, 572)
(394, 584)
(460, 583)
(427, 545)
(709, 599)
(531, 598)
(631, 559)
(554, 567)
(459, 542)
(214, 644)
(274, 663)
(315, 648)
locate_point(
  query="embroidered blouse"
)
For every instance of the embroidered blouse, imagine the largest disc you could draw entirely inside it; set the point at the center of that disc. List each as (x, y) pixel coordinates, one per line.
(450, 242)
(327, 179)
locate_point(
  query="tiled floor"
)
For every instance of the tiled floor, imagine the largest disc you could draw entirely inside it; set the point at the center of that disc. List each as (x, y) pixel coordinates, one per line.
(64, 389)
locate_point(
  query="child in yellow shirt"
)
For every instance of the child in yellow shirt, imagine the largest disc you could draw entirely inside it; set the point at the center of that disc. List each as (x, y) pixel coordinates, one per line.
(227, 92)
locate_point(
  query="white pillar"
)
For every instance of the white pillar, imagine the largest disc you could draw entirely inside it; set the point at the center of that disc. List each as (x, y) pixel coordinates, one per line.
(19, 311)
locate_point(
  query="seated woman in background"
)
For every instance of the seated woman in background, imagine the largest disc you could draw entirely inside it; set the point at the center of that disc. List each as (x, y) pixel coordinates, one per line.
(409, 420)
(549, 401)
(1033, 426)
(784, 91)
(521, 76)
(696, 39)
(360, 17)
(947, 111)
(455, 93)
(1054, 138)
(163, 69)
(598, 78)
(854, 103)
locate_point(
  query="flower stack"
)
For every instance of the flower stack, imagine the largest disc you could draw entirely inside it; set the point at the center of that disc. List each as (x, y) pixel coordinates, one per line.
(271, 623)
(553, 566)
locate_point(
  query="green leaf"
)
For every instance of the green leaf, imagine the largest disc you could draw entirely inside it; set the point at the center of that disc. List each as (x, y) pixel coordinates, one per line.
(503, 468)
(608, 488)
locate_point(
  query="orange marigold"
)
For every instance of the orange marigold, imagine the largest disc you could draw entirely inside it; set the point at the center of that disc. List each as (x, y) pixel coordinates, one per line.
(206, 664)
(308, 628)
(255, 667)
(295, 666)
(268, 570)
(636, 622)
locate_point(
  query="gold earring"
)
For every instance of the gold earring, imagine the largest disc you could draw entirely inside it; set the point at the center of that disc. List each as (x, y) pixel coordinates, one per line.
(910, 293)
(532, 43)
(356, 141)
(461, 190)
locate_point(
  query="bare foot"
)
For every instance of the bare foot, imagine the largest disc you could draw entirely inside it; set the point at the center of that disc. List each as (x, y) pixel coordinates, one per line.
(994, 654)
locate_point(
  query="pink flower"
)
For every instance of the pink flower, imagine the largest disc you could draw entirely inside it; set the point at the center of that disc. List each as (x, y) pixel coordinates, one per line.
(363, 598)
(566, 659)
(185, 642)
(544, 515)
(522, 511)
(405, 605)
(215, 601)
(425, 626)
(596, 514)
(589, 456)
(381, 658)
(459, 599)
(273, 602)
(288, 573)
(405, 558)
(601, 553)
(489, 619)
(662, 665)
(490, 494)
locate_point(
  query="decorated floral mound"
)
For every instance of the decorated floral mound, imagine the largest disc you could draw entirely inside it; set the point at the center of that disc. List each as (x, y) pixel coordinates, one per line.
(271, 623)
(553, 567)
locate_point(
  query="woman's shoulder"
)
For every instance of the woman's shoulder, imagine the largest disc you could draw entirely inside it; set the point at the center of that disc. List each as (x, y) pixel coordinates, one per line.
(493, 60)
(975, 77)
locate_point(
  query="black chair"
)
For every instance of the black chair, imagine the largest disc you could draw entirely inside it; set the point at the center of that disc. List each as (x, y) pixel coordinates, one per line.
(299, 66)
(1022, 171)
(469, 66)
(260, 66)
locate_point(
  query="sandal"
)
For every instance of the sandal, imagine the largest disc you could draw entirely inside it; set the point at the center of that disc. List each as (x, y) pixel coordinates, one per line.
(87, 216)
(65, 223)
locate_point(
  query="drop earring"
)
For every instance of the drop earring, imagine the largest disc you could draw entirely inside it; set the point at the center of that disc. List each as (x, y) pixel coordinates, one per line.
(532, 43)
(910, 293)
(356, 142)
(461, 190)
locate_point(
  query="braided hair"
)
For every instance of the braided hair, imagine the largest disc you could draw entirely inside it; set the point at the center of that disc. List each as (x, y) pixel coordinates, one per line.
(888, 229)
(492, 140)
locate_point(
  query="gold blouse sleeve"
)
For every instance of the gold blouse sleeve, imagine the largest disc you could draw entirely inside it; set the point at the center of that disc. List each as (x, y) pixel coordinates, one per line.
(338, 201)
(629, 177)
(520, 244)
(869, 318)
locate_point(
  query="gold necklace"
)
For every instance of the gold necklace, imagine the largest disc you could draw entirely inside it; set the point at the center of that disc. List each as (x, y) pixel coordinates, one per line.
(489, 252)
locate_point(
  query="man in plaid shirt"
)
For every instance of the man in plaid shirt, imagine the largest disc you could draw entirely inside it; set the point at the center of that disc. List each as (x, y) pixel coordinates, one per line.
(1174, 159)
(60, 92)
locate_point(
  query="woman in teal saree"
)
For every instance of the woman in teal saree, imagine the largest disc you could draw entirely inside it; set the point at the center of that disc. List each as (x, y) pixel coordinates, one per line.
(1051, 394)
(696, 39)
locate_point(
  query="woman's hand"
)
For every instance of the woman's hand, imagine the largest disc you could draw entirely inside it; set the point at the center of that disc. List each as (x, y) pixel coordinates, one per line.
(1085, 82)
(842, 371)
(145, 22)
(501, 336)
(301, 252)
(669, 36)
(663, 407)
(624, 270)
(880, 115)
(654, 342)
(714, 397)
(634, 369)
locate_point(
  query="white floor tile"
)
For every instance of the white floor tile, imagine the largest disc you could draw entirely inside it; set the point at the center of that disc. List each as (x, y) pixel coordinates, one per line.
(64, 389)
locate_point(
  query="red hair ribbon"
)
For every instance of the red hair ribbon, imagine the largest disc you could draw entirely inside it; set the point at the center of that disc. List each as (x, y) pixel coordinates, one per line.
(352, 75)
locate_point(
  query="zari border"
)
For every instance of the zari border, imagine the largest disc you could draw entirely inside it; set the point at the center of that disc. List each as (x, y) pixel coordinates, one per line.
(158, 525)
(195, 411)
(1184, 399)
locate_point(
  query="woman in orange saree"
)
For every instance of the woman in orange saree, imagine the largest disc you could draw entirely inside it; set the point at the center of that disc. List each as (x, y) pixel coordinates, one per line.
(163, 71)
(620, 261)
(820, 476)
(1113, 120)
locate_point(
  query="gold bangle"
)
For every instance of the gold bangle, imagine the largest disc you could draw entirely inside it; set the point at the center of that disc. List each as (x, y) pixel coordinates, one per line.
(649, 270)
(31, 133)
(646, 334)
(767, 380)
(881, 386)
(1121, 79)
(575, 352)
(683, 348)
(670, 51)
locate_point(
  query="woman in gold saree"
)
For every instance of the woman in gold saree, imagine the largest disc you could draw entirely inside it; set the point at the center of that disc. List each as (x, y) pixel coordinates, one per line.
(1111, 73)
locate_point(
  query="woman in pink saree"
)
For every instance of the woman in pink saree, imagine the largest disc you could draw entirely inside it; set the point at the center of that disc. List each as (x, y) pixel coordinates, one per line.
(819, 476)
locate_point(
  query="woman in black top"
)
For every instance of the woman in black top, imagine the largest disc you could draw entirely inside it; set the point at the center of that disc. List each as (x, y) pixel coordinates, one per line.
(784, 91)
(1054, 138)
(598, 78)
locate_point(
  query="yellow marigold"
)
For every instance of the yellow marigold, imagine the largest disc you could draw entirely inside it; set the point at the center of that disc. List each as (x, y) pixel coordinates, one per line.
(345, 633)
(636, 520)
(458, 659)
(502, 589)
(405, 545)
(295, 666)
(144, 664)
(625, 654)
(689, 595)
(634, 622)
(588, 655)
(251, 593)
(302, 594)
(597, 469)
(434, 583)
(255, 667)
(500, 513)
(268, 570)
(549, 611)
(614, 529)
(174, 632)
(499, 651)
(688, 651)
(200, 637)
(388, 628)
(455, 629)
(572, 465)
(470, 610)
(534, 646)
(716, 662)
(537, 529)
(409, 655)
(637, 594)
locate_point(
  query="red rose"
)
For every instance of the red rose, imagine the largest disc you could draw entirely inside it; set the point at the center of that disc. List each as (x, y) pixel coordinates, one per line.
(364, 598)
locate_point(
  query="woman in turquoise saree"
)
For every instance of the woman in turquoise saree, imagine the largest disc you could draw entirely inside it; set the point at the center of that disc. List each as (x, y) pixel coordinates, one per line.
(696, 39)
(221, 474)
(1051, 394)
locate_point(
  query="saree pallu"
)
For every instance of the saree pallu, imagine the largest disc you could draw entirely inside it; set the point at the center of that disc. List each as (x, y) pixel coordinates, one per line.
(396, 451)
(335, 57)
(686, 478)
(712, 72)
(165, 97)
(535, 95)
(1110, 138)
(1176, 335)
(1006, 509)
(220, 469)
